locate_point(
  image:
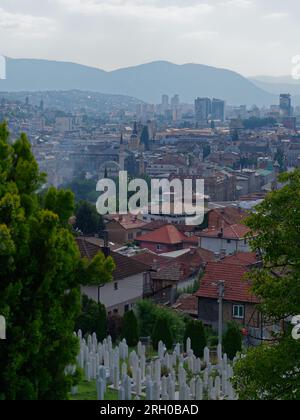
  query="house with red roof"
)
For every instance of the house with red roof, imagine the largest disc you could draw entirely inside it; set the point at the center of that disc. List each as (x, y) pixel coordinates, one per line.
(176, 273)
(123, 229)
(239, 303)
(131, 279)
(226, 240)
(225, 216)
(166, 239)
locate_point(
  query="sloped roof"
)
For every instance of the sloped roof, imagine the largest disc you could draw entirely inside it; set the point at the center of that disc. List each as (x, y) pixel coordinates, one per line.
(228, 215)
(237, 288)
(187, 304)
(168, 234)
(236, 231)
(125, 266)
(128, 221)
(242, 258)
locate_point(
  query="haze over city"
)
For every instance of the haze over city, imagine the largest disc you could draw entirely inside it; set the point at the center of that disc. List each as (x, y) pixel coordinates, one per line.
(252, 37)
(149, 203)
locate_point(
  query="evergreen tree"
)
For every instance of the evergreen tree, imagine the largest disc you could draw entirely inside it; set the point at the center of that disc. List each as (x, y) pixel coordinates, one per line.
(88, 221)
(93, 318)
(232, 341)
(145, 138)
(195, 331)
(273, 371)
(130, 329)
(40, 277)
(162, 332)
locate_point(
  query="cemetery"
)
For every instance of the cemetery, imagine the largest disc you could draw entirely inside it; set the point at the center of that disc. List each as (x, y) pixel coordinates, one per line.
(123, 373)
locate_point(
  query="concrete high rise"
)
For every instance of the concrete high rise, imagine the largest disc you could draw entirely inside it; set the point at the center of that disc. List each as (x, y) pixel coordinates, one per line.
(165, 103)
(285, 105)
(218, 109)
(202, 109)
(175, 102)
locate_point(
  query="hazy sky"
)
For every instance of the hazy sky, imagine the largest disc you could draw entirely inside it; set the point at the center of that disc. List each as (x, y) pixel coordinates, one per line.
(250, 36)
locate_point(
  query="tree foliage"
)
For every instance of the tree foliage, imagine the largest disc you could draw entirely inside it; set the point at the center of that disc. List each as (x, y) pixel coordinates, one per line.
(130, 329)
(272, 372)
(88, 221)
(148, 312)
(92, 319)
(162, 332)
(232, 340)
(40, 276)
(195, 331)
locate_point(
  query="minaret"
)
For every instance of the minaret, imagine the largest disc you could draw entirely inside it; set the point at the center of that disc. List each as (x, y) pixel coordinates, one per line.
(122, 154)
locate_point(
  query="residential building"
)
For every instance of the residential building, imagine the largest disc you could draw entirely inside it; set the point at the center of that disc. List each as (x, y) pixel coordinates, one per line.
(285, 106)
(239, 304)
(124, 228)
(131, 280)
(166, 239)
(218, 110)
(225, 240)
(202, 110)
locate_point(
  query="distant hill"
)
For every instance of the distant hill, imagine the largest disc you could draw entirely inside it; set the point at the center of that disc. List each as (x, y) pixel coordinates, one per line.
(75, 100)
(146, 82)
(277, 85)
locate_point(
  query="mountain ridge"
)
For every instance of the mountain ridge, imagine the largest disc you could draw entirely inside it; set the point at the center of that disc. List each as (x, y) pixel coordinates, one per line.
(146, 82)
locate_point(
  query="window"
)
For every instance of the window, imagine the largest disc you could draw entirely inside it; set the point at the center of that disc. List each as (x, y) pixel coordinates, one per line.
(238, 311)
(130, 236)
(116, 286)
(158, 247)
(116, 311)
(229, 241)
(126, 308)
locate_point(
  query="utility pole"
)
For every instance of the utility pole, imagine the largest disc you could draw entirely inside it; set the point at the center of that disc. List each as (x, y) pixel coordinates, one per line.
(221, 289)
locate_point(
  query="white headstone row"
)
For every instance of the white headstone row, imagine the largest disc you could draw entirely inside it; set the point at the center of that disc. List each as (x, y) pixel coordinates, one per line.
(164, 377)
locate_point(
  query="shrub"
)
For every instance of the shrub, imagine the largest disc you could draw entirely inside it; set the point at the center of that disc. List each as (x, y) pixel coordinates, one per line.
(232, 340)
(162, 332)
(130, 329)
(195, 331)
(114, 324)
(148, 312)
(93, 318)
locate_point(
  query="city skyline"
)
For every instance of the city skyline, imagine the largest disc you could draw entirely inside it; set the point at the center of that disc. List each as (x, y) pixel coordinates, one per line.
(242, 35)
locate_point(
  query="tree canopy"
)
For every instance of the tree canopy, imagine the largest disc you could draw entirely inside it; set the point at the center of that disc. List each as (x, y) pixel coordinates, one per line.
(40, 277)
(273, 371)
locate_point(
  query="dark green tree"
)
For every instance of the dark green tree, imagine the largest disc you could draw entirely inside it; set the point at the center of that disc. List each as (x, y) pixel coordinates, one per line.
(273, 371)
(162, 332)
(92, 319)
(130, 329)
(232, 340)
(195, 331)
(145, 138)
(41, 273)
(88, 221)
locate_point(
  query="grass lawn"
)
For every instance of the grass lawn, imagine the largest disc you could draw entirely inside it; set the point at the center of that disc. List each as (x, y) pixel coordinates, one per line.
(87, 391)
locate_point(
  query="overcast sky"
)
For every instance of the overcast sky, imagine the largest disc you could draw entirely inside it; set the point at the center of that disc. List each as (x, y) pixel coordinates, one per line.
(253, 37)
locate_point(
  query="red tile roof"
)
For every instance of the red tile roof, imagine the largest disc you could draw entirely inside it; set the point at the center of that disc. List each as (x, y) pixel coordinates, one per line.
(128, 221)
(237, 289)
(153, 260)
(187, 304)
(242, 258)
(229, 232)
(168, 235)
(226, 216)
(125, 266)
